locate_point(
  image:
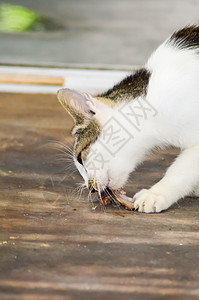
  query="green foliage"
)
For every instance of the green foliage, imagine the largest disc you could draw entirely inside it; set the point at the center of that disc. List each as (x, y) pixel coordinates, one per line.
(14, 18)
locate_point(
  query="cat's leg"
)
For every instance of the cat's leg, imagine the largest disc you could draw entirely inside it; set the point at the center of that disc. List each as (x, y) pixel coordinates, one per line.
(180, 179)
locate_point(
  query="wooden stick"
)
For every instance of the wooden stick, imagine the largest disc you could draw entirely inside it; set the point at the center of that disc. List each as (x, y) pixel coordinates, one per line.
(31, 79)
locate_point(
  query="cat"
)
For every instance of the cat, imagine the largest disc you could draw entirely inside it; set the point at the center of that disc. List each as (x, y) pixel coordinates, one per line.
(156, 106)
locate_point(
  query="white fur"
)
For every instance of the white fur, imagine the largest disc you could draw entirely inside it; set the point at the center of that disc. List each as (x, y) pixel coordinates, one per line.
(174, 93)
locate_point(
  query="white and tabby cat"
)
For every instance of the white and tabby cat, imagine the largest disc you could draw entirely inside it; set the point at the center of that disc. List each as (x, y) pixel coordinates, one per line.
(169, 83)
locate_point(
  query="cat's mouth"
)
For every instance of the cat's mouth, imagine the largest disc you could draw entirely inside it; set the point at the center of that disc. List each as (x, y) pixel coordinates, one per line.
(93, 185)
(109, 196)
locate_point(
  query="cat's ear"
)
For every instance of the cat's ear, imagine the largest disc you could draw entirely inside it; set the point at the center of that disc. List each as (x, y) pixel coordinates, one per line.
(79, 105)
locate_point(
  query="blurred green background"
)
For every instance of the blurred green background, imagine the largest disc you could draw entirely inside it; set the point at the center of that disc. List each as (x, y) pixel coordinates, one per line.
(89, 32)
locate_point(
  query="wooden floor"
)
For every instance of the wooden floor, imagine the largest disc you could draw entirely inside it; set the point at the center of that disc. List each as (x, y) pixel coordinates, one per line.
(54, 244)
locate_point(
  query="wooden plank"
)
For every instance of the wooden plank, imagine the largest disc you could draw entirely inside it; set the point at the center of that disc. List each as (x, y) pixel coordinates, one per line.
(54, 244)
(31, 79)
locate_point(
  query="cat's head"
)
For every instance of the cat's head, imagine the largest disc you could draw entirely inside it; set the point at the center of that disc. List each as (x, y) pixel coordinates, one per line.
(95, 124)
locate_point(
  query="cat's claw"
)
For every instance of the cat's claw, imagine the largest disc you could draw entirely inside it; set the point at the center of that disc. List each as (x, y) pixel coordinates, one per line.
(148, 202)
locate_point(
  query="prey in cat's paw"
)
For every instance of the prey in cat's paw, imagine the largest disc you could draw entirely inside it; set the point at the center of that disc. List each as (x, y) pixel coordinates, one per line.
(148, 202)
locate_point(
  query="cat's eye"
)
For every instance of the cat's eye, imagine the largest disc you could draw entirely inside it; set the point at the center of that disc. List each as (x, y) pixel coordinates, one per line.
(79, 159)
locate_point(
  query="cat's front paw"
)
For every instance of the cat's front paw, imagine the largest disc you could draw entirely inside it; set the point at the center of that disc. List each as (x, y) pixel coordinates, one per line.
(149, 202)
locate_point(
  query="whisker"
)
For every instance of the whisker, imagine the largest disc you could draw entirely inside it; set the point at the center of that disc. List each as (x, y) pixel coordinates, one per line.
(76, 189)
(81, 184)
(59, 143)
(68, 154)
(62, 159)
(79, 189)
(67, 164)
(65, 155)
(62, 148)
(99, 193)
(80, 192)
(66, 159)
(112, 198)
(70, 168)
(90, 199)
